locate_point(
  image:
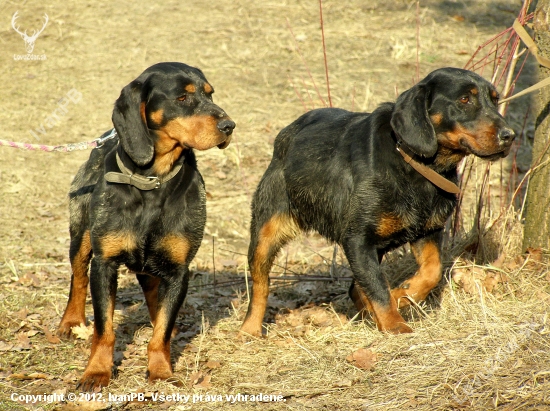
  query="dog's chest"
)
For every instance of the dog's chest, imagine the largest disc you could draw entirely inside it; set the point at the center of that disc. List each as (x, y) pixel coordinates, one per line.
(409, 219)
(148, 229)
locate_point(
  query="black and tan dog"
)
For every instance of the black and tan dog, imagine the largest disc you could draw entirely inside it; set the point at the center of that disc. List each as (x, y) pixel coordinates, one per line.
(372, 182)
(140, 201)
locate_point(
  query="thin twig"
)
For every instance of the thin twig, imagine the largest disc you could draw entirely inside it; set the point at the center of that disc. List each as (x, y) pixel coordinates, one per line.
(417, 41)
(305, 63)
(213, 259)
(324, 51)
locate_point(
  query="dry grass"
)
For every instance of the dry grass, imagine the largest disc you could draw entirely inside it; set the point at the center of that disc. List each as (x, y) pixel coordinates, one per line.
(472, 349)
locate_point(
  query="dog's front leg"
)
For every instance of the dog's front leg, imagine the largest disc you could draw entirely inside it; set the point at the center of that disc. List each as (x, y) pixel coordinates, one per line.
(427, 252)
(371, 283)
(103, 284)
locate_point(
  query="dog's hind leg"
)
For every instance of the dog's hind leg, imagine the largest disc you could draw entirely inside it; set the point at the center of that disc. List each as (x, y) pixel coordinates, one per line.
(150, 285)
(272, 226)
(170, 293)
(80, 254)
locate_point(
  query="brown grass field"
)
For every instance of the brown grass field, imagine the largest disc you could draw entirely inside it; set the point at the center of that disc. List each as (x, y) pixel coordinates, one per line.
(480, 343)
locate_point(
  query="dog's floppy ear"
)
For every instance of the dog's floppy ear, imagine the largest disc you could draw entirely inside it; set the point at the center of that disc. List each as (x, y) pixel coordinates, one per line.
(411, 123)
(131, 125)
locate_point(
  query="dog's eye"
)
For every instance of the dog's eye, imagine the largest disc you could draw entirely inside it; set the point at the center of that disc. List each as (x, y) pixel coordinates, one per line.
(182, 98)
(465, 99)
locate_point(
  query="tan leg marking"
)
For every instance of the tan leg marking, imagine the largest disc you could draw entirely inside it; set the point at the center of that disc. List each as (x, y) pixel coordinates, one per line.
(280, 229)
(98, 370)
(158, 351)
(151, 297)
(362, 303)
(427, 277)
(75, 312)
(387, 318)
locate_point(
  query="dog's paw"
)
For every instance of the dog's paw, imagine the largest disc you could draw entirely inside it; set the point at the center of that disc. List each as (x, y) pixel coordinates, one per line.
(248, 329)
(65, 328)
(399, 328)
(159, 373)
(93, 382)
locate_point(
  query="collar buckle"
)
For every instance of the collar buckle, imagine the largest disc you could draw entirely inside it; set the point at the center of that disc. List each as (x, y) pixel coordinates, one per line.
(156, 180)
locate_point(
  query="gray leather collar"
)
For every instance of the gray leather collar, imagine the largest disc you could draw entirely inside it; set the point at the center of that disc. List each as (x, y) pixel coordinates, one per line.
(140, 182)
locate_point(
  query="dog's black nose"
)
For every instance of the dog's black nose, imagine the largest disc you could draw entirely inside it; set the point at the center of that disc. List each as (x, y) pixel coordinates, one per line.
(226, 126)
(506, 135)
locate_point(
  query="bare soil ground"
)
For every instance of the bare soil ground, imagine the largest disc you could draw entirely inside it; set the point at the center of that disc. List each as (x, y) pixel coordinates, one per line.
(481, 343)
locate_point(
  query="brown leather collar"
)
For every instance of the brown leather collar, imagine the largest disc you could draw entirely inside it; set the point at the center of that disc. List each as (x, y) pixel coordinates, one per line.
(141, 182)
(436, 179)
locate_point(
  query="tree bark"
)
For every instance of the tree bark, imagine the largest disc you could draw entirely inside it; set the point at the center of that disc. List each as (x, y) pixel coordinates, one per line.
(537, 213)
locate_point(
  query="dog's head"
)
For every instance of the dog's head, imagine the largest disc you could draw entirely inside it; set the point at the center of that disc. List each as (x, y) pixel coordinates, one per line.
(169, 105)
(454, 110)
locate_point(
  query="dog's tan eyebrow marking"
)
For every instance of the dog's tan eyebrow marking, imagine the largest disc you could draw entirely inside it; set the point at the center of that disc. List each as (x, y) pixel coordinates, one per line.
(157, 116)
(190, 88)
(474, 91)
(208, 88)
(436, 118)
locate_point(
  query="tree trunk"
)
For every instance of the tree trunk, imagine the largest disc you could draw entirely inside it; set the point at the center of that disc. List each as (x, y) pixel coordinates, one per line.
(537, 215)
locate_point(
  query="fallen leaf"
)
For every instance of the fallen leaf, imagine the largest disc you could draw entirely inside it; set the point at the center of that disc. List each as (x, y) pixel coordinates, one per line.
(205, 382)
(199, 380)
(23, 342)
(30, 376)
(470, 279)
(82, 332)
(499, 262)
(473, 279)
(21, 314)
(212, 364)
(492, 280)
(534, 254)
(5, 346)
(53, 339)
(363, 358)
(29, 279)
(194, 378)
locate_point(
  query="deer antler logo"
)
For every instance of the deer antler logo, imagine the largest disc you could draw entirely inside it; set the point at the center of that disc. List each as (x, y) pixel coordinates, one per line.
(29, 40)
